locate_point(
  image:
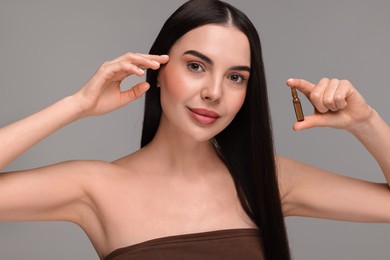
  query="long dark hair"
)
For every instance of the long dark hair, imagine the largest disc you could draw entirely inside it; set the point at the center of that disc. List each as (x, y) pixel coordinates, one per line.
(246, 145)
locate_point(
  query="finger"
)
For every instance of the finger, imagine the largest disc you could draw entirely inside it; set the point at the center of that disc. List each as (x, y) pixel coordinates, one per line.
(162, 59)
(119, 71)
(342, 93)
(329, 95)
(138, 60)
(155, 59)
(126, 69)
(128, 56)
(317, 96)
(135, 92)
(302, 85)
(310, 121)
(149, 58)
(144, 61)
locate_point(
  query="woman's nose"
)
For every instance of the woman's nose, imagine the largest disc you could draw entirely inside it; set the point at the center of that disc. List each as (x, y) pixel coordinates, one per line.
(212, 91)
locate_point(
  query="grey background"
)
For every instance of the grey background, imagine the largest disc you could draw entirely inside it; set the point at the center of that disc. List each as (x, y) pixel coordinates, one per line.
(48, 49)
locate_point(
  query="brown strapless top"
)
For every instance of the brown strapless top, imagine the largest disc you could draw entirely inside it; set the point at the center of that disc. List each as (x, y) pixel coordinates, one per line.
(229, 244)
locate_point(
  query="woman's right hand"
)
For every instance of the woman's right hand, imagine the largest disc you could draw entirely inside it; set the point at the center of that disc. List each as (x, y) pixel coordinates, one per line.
(102, 93)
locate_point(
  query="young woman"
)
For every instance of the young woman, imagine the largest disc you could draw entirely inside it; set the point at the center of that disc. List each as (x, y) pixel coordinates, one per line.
(205, 184)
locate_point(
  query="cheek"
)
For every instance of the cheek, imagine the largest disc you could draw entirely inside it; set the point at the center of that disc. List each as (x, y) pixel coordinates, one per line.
(236, 102)
(169, 83)
(173, 83)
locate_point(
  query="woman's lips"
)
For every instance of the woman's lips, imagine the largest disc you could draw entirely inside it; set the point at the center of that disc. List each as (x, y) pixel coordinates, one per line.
(204, 116)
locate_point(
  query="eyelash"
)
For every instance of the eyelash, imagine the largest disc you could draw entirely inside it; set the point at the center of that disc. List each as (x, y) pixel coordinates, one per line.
(200, 66)
(190, 68)
(242, 79)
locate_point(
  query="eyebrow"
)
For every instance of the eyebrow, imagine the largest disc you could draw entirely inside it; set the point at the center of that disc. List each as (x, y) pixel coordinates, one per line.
(210, 61)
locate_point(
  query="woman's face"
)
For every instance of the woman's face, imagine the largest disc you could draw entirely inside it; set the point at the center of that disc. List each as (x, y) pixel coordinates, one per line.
(203, 85)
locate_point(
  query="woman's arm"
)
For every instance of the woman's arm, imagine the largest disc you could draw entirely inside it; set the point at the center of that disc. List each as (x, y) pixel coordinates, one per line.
(18, 137)
(40, 192)
(100, 95)
(308, 191)
(374, 134)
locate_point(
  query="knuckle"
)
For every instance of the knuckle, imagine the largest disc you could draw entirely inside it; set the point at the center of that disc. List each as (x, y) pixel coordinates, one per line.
(127, 67)
(345, 82)
(338, 97)
(145, 60)
(129, 54)
(104, 65)
(315, 95)
(102, 68)
(106, 70)
(135, 93)
(122, 64)
(334, 80)
(324, 109)
(342, 105)
(107, 74)
(328, 101)
(324, 79)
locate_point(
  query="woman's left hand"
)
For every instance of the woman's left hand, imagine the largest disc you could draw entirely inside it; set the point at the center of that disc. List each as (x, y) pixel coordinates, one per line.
(336, 104)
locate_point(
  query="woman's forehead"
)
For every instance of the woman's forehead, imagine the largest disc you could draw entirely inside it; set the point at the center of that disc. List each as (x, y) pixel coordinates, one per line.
(217, 42)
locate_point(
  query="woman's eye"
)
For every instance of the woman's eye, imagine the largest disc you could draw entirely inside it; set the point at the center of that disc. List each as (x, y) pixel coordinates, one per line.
(237, 78)
(195, 67)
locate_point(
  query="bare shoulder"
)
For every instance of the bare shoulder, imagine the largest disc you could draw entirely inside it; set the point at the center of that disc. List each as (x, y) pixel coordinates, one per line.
(84, 171)
(97, 169)
(98, 175)
(54, 192)
(103, 179)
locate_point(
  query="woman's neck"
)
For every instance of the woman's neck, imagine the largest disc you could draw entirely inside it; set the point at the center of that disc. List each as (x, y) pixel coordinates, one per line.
(182, 154)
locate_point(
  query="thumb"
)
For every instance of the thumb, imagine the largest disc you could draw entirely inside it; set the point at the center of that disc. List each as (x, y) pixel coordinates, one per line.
(135, 92)
(311, 121)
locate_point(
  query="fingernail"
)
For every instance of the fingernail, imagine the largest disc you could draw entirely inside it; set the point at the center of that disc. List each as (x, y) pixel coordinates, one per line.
(290, 80)
(155, 63)
(141, 70)
(165, 56)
